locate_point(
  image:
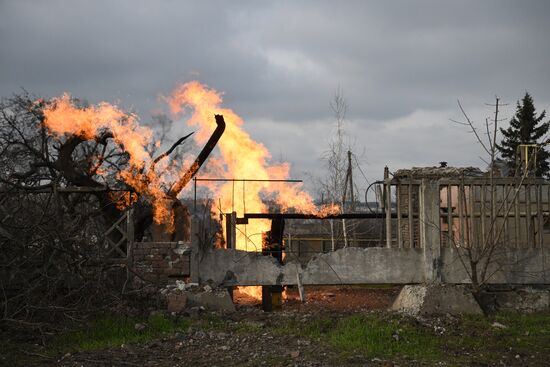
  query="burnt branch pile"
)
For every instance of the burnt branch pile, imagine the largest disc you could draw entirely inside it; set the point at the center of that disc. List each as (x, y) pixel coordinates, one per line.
(52, 235)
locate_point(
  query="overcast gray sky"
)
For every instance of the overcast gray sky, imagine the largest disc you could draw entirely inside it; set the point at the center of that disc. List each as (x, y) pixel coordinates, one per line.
(401, 65)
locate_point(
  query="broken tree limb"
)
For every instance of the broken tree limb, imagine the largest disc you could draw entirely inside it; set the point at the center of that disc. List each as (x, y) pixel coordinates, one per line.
(169, 151)
(203, 155)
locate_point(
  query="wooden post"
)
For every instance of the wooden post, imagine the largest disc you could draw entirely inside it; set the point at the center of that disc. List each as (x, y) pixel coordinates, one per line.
(471, 233)
(460, 196)
(387, 204)
(430, 229)
(540, 220)
(399, 223)
(450, 219)
(529, 217)
(272, 245)
(231, 230)
(410, 214)
(482, 213)
(516, 217)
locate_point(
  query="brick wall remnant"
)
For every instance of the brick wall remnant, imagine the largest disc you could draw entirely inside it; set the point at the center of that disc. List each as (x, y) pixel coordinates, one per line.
(158, 262)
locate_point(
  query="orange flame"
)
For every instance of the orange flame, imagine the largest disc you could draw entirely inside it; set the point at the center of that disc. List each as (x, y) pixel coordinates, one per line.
(63, 117)
(240, 157)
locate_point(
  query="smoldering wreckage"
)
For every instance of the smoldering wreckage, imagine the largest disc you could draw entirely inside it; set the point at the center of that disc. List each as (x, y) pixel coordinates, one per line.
(254, 234)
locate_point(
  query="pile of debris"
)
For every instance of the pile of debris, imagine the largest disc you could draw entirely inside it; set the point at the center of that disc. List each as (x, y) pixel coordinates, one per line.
(190, 298)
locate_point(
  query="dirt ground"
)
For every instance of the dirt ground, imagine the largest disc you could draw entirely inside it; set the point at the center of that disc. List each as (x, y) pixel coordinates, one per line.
(250, 341)
(251, 337)
(330, 298)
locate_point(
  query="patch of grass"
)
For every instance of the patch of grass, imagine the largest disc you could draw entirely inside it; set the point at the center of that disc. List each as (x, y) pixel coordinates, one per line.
(313, 328)
(110, 331)
(373, 335)
(387, 336)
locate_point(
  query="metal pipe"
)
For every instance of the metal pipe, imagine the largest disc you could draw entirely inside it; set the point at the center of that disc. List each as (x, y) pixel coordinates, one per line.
(243, 180)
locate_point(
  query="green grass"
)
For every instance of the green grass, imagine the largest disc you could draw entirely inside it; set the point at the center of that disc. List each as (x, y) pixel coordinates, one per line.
(381, 335)
(110, 331)
(470, 338)
(373, 335)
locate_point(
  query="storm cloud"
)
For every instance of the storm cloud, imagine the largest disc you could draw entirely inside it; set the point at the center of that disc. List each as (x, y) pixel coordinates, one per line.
(401, 65)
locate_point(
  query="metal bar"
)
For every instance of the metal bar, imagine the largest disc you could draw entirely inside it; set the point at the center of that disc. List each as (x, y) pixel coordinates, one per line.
(315, 216)
(245, 226)
(233, 197)
(244, 179)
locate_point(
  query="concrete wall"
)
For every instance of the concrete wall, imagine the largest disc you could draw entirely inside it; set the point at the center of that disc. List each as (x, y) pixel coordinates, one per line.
(373, 265)
(351, 265)
(510, 266)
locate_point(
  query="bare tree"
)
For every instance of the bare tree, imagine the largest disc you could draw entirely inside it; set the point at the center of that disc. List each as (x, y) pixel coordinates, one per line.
(478, 257)
(335, 184)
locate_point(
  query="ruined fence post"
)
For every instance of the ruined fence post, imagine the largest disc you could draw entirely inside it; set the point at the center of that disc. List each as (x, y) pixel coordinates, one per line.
(231, 230)
(387, 206)
(196, 255)
(430, 229)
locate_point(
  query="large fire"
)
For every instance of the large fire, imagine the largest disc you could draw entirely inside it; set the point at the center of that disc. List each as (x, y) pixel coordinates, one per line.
(240, 157)
(63, 117)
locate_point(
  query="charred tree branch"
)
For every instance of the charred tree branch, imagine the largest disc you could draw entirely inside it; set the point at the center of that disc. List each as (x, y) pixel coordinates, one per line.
(169, 151)
(203, 155)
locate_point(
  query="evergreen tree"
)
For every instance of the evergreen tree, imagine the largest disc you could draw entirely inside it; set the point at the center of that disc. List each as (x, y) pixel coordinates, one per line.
(525, 128)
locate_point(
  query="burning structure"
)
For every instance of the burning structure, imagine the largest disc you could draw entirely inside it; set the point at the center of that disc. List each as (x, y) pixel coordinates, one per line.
(428, 219)
(146, 188)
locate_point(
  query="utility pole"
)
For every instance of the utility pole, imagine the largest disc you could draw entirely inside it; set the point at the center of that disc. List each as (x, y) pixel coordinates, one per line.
(348, 181)
(350, 175)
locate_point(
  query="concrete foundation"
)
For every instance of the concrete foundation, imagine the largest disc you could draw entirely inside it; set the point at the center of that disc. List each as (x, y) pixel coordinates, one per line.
(433, 299)
(521, 299)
